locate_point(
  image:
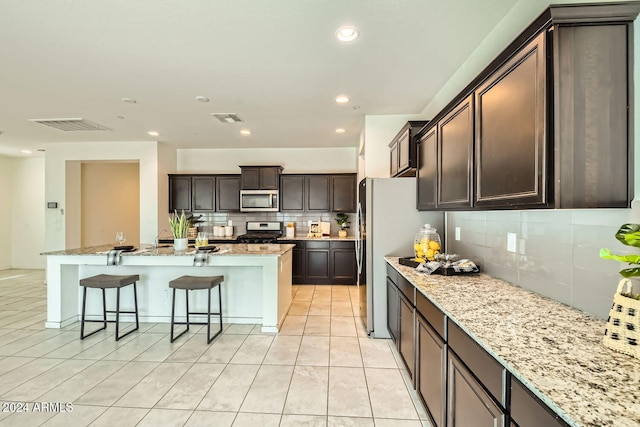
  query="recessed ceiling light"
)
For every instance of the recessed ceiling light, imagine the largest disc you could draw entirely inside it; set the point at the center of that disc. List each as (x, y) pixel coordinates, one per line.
(340, 130)
(129, 100)
(202, 99)
(245, 132)
(154, 133)
(26, 151)
(347, 33)
(342, 99)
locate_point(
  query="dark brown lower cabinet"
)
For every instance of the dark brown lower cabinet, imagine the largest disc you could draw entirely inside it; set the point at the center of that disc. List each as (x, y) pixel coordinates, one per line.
(323, 262)
(393, 304)
(406, 340)
(468, 404)
(317, 262)
(528, 411)
(431, 371)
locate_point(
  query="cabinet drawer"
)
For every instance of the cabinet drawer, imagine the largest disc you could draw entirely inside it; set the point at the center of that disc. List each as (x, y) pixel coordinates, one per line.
(490, 373)
(392, 274)
(528, 411)
(431, 313)
(407, 289)
(343, 245)
(317, 245)
(299, 243)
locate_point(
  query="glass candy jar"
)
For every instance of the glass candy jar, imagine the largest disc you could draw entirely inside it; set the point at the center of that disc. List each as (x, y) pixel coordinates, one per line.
(427, 244)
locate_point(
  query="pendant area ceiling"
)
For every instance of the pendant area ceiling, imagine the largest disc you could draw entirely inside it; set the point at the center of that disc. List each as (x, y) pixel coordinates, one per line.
(138, 66)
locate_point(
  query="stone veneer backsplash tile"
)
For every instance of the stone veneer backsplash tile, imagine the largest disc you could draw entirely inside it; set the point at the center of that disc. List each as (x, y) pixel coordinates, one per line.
(557, 251)
(239, 220)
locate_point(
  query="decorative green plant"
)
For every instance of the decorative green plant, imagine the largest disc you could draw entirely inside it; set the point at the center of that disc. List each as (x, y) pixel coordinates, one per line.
(343, 221)
(628, 234)
(180, 224)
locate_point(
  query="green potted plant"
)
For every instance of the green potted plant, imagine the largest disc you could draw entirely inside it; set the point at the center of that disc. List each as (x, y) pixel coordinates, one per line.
(623, 325)
(343, 222)
(628, 234)
(180, 225)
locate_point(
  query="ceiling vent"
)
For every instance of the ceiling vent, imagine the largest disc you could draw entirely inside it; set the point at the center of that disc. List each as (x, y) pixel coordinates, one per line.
(227, 117)
(72, 125)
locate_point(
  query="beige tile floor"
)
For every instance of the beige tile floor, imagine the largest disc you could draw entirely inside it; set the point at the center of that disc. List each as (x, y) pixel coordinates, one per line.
(320, 370)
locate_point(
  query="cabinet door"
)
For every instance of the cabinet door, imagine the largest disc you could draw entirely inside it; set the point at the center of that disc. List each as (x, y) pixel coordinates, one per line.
(297, 267)
(343, 193)
(317, 262)
(250, 178)
(427, 170)
(393, 307)
(404, 146)
(292, 193)
(203, 193)
(317, 193)
(269, 178)
(593, 131)
(179, 193)
(431, 371)
(455, 148)
(228, 193)
(511, 160)
(343, 263)
(406, 343)
(393, 159)
(467, 402)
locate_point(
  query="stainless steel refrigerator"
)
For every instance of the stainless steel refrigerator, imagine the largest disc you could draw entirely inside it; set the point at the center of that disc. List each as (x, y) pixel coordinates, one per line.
(386, 224)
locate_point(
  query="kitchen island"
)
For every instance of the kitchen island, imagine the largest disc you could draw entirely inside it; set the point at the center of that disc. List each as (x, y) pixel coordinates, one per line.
(256, 288)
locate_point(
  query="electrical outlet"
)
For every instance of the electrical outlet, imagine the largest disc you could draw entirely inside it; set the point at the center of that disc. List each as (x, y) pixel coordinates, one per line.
(457, 233)
(511, 242)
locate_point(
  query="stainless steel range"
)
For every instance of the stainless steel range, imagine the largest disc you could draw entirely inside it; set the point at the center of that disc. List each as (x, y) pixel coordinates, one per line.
(261, 232)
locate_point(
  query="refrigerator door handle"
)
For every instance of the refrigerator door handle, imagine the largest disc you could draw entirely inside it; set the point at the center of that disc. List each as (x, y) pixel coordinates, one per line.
(359, 241)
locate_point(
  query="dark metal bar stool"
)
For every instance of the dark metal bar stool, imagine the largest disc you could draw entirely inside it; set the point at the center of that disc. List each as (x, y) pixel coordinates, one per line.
(108, 281)
(193, 283)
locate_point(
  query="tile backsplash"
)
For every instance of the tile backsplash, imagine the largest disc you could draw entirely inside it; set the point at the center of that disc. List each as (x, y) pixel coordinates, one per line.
(300, 220)
(556, 251)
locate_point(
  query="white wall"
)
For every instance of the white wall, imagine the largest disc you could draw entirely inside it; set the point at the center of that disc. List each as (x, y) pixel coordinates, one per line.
(6, 184)
(27, 213)
(148, 154)
(378, 133)
(293, 160)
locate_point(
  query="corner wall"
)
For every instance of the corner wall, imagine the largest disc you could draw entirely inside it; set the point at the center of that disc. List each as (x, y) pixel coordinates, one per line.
(6, 185)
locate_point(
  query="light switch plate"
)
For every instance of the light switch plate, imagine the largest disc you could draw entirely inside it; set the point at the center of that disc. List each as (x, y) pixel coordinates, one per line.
(511, 242)
(457, 233)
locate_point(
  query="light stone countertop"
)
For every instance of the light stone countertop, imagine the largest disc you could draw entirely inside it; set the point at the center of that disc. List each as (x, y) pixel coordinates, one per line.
(552, 348)
(167, 250)
(329, 238)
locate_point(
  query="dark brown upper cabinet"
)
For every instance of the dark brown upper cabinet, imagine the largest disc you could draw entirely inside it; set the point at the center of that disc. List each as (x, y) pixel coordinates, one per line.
(292, 193)
(455, 154)
(427, 169)
(260, 177)
(318, 193)
(403, 151)
(552, 117)
(179, 193)
(343, 193)
(227, 193)
(203, 193)
(511, 148)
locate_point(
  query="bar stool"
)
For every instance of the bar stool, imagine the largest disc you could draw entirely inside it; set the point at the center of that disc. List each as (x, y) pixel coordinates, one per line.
(193, 283)
(108, 281)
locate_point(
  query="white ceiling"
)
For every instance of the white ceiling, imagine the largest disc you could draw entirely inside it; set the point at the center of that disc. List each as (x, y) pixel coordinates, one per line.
(275, 63)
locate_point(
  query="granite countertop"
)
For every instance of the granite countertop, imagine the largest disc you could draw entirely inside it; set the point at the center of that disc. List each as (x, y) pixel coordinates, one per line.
(167, 250)
(552, 348)
(336, 238)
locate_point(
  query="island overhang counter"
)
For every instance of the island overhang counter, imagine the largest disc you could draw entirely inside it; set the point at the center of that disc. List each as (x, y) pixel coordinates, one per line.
(256, 288)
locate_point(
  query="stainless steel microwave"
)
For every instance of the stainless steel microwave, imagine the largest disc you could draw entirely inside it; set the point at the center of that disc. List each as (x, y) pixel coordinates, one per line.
(259, 201)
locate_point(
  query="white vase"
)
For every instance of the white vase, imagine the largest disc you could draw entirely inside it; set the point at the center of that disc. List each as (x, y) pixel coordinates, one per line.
(180, 244)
